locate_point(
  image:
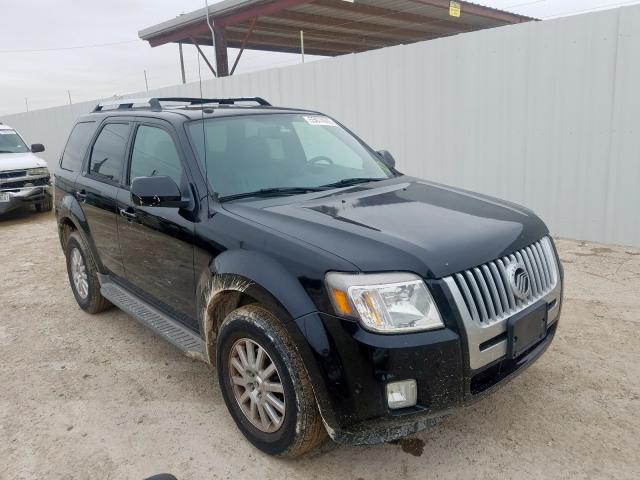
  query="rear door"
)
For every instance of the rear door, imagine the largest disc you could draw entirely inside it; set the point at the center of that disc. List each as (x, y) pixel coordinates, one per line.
(98, 187)
(157, 242)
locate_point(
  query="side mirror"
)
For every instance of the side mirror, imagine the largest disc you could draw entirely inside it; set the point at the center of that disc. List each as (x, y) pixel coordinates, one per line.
(37, 148)
(156, 192)
(387, 158)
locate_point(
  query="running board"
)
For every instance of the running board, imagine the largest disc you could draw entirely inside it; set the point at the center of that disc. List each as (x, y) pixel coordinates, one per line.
(172, 331)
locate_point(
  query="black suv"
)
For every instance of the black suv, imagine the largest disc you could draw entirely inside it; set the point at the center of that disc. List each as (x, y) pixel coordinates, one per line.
(333, 293)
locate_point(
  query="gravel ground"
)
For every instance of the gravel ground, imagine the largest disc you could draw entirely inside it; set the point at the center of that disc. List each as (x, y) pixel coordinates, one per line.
(85, 396)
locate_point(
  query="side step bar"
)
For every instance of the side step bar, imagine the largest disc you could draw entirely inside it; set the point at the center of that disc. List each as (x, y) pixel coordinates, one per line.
(169, 329)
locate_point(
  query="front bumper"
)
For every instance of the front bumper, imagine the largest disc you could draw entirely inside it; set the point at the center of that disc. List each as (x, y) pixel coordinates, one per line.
(350, 368)
(19, 197)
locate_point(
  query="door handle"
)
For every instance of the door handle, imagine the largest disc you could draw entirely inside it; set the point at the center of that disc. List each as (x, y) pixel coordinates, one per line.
(81, 195)
(128, 214)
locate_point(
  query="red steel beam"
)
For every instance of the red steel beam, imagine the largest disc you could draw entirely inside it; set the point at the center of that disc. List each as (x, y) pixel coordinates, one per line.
(244, 44)
(194, 41)
(220, 46)
(319, 35)
(308, 22)
(335, 47)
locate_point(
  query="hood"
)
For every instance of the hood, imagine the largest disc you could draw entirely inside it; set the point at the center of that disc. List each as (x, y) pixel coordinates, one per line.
(402, 224)
(20, 161)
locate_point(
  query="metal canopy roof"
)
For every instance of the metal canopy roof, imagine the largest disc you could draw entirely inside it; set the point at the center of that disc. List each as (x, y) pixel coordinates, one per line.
(331, 27)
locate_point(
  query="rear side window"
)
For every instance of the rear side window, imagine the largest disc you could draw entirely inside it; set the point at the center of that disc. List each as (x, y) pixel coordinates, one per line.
(107, 155)
(155, 154)
(77, 146)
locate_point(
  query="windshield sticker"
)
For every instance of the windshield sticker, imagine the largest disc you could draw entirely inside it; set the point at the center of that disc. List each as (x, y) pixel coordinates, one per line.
(319, 120)
(7, 132)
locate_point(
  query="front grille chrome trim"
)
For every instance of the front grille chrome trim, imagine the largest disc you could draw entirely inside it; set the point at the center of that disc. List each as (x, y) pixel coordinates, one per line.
(485, 299)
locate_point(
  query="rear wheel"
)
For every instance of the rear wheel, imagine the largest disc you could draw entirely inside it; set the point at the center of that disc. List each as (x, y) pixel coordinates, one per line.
(46, 204)
(265, 385)
(83, 276)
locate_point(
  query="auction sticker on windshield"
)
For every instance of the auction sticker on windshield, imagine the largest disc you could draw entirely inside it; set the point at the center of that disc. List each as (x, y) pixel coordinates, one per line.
(319, 120)
(4, 197)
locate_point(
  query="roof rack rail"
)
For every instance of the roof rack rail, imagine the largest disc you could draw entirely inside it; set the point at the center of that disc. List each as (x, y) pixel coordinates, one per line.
(219, 101)
(155, 103)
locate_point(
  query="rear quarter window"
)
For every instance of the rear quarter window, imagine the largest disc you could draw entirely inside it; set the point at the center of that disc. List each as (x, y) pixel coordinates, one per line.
(77, 146)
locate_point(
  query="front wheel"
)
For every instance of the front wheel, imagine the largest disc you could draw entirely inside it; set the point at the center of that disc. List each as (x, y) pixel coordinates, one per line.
(265, 385)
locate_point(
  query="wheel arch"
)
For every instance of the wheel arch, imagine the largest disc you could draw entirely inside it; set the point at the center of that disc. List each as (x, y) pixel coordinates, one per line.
(70, 218)
(240, 277)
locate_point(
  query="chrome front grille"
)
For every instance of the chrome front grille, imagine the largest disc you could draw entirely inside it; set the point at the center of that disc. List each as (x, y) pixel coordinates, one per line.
(488, 293)
(485, 298)
(12, 174)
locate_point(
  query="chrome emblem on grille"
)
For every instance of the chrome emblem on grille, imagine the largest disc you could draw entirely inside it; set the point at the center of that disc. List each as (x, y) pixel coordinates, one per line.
(519, 280)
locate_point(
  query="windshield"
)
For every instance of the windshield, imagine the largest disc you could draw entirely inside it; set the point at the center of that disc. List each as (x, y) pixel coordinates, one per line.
(284, 151)
(10, 142)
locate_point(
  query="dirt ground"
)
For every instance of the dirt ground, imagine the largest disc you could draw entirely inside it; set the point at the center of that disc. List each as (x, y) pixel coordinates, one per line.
(100, 397)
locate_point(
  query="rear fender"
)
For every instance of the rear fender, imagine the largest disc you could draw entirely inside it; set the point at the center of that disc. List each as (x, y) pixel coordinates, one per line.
(70, 210)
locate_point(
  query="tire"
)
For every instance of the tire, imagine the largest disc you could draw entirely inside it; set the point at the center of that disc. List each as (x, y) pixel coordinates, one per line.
(301, 428)
(46, 205)
(87, 294)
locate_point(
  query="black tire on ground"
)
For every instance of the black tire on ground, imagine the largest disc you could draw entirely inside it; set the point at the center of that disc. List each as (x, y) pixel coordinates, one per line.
(92, 301)
(302, 428)
(46, 205)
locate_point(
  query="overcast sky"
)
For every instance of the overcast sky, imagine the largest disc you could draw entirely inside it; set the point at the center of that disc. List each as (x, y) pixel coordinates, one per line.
(44, 47)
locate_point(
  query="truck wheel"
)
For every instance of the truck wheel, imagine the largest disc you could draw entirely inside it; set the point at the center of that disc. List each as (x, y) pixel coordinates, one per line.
(83, 276)
(45, 205)
(265, 385)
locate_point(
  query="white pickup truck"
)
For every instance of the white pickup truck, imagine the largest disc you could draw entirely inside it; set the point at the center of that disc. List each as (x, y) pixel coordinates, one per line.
(24, 177)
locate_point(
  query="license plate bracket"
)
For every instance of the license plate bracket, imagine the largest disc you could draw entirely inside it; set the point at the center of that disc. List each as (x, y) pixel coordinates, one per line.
(4, 197)
(526, 328)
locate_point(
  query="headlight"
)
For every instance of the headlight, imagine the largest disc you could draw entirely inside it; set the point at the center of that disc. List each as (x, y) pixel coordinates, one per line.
(38, 171)
(384, 302)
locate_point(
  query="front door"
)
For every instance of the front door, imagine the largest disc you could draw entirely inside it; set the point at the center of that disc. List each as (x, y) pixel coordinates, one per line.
(157, 242)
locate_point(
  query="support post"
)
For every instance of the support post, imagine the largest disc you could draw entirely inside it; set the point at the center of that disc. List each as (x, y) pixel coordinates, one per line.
(184, 78)
(244, 44)
(220, 45)
(302, 44)
(204, 57)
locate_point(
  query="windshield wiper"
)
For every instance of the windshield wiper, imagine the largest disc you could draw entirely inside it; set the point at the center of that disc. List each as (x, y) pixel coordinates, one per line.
(6, 151)
(347, 182)
(271, 192)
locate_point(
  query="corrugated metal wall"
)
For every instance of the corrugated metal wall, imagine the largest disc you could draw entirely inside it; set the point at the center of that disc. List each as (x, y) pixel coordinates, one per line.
(545, 114)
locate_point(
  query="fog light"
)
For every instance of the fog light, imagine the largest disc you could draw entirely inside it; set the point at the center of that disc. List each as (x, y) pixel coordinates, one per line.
(402, 394)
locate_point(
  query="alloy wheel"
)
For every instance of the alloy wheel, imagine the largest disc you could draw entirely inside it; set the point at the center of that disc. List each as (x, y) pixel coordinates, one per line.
(257, 386)
(79, 273)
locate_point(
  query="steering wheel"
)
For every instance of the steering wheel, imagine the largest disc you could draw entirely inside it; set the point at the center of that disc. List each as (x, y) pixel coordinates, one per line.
(321, 158)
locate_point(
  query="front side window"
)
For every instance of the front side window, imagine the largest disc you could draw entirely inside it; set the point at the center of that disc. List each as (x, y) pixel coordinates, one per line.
(11, 142)
(155, 154)
(243, 154)
(77, 146)
(107, 154)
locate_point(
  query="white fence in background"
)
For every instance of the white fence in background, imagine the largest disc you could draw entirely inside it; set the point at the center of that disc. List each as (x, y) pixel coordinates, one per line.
(545, 114)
